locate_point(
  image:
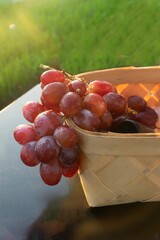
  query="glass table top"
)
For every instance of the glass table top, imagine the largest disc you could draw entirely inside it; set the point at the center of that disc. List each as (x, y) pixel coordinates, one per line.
(29, 209)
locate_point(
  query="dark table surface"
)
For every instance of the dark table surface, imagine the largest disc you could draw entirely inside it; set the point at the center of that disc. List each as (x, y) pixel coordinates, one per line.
(29, 209)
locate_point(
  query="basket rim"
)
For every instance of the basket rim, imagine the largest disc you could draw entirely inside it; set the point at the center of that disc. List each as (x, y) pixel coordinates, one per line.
(70, 122)
(118, 75)
(122, 72)
(126, 68)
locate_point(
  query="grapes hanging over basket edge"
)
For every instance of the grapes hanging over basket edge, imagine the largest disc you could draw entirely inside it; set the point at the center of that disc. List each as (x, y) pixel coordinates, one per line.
(48, 142)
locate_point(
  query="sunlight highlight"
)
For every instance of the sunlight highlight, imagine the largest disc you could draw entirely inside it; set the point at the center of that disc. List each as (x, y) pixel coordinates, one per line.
(12, 26)
(26, 25)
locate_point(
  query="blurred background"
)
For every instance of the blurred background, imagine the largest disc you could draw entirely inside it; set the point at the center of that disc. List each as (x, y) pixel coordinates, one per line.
(73, 35)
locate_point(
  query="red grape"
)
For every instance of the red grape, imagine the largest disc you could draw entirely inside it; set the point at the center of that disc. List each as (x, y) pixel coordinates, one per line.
(71, 170)
(101, 87)
(77, 86)
(54, 107)
(52, 93)
(46, 149)
(87, 120)
(51, 173)
(31, 109)
(136, 103)
(46, 123)
(106, 121)
(51, 76)
(95, 103)
(24, 133)
(71, 104)
(28, 155)
(65, 136)
(116, 103)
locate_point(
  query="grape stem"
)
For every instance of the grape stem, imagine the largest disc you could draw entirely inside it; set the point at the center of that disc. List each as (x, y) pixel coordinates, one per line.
(63, 117)
(45, 67)
(66, 74)
(129, 110)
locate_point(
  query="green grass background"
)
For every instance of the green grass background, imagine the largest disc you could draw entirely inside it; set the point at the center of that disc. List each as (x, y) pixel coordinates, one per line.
(75, 35)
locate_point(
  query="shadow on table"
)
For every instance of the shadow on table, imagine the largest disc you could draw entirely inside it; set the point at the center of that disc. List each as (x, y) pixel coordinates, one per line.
(72, 219)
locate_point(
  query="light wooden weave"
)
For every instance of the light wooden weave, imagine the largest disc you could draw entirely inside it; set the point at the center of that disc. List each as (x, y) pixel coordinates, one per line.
(122, 168)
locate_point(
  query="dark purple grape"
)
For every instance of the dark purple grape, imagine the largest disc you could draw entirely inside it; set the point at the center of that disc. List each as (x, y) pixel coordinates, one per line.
(148, 117)
(136, 103)
(69, 156)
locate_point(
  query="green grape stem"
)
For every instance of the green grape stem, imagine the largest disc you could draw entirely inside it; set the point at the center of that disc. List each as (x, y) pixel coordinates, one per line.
(45, 67)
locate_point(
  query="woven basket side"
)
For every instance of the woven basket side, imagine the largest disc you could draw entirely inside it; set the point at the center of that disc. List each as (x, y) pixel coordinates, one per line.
(122, 168)
(119, 179)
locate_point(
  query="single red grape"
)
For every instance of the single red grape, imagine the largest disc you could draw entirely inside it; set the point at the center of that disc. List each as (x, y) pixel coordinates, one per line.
(65, 136)
(31, 109)
(46, 149)
(101, 87)
(116, 103)
(87, 120)
(24, 133)
(106, 121)
(28, 155)
(51, 76)
(54, 107)
(52, 93)
(71, 104)
(70, 171)
(51, 173)
(77, 86)
(46, 123)
(95, 103)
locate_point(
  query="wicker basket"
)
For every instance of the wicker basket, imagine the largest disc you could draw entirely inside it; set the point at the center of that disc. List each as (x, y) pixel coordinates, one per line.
(122, 168)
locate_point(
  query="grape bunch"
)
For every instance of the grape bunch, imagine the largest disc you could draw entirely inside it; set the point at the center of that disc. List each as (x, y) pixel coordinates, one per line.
(46, 140)
(96, 106)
